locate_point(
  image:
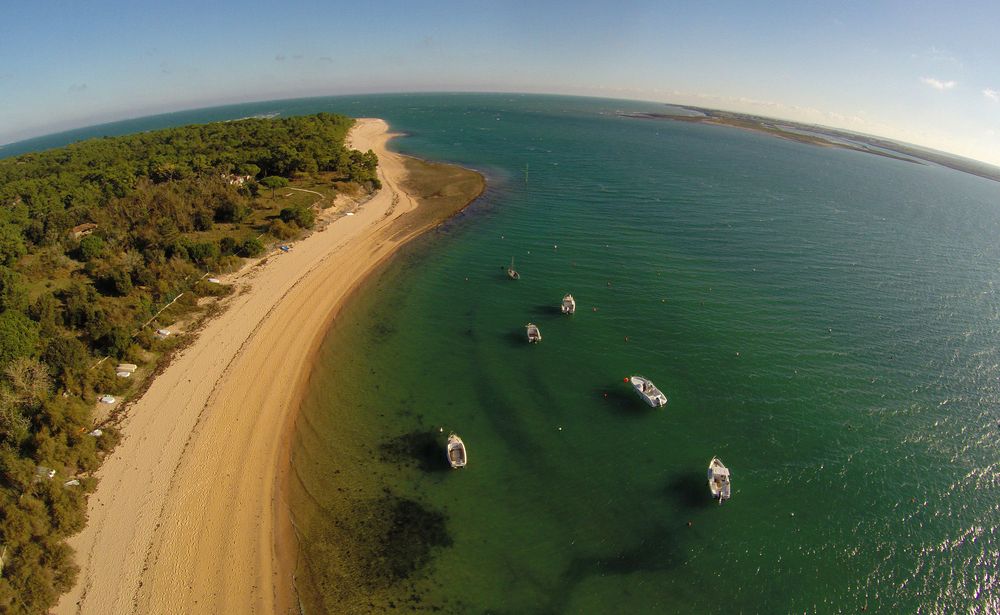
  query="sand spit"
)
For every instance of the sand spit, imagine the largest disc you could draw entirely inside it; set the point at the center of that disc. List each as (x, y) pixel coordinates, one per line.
(187, 513)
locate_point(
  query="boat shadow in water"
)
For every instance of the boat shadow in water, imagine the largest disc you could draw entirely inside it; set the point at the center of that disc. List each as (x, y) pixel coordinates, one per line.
(517, 337)
(622, 401)
(546, 310)
(690, 490)
(424, 450)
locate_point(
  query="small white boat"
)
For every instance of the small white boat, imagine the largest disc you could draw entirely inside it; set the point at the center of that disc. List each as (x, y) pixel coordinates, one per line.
(456, 452)
(534, 335)
(718, 480)
(511, 272)
(568, 305)
(106, 399)
(648, 391)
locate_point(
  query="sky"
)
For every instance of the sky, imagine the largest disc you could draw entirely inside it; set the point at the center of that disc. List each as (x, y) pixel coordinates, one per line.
(922, 72)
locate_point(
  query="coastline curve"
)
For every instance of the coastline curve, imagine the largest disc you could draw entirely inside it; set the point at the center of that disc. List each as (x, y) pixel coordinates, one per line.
(188, 516)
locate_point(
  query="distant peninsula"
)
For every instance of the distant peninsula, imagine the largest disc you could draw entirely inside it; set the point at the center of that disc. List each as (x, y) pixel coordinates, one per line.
(825, 137)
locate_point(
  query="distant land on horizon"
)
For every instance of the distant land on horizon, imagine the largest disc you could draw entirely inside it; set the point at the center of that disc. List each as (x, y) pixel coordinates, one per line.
(813, 134)
(826, 137)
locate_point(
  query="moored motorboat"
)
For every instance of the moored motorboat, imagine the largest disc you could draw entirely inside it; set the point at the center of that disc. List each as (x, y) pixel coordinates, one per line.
(534, 335)
(568, 305)
(648, 391)
(511, 272)
(457, 456)
(718, 480)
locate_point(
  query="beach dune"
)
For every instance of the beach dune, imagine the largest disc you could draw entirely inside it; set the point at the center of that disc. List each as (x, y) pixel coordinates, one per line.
(187, 517)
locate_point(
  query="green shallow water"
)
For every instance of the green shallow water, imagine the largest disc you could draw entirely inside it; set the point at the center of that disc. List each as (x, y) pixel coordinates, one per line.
(825, 321)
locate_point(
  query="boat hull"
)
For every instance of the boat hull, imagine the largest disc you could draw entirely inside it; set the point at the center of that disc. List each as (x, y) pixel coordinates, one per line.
(534, 335)
(457, 455)
(719, 482)
(648, 392)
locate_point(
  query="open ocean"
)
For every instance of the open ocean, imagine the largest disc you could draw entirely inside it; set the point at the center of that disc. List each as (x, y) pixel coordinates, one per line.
(825, 321)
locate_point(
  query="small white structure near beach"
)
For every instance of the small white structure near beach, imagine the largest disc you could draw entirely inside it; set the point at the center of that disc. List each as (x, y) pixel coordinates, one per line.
(106, 399)
(124, 370)
(163, 332)
(44, 472)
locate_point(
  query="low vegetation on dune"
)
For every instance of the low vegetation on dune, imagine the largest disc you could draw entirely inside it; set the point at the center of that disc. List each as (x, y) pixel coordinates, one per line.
(96, 239)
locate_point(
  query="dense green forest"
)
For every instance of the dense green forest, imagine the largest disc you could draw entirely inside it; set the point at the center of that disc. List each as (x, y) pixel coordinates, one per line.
(95, 239)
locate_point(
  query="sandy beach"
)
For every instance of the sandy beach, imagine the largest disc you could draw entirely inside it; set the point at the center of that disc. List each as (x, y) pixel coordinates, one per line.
(187, 517)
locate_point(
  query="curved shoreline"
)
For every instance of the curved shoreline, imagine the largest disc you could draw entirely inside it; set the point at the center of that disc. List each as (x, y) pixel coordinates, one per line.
(187, 516)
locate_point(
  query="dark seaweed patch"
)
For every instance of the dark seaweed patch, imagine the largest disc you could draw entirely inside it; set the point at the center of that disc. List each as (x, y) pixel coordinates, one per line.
(370, 557)
(400, 535)
(380, 331)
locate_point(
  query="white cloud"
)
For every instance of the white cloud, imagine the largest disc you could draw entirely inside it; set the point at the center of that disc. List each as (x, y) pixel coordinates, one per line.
(992, 95)
(937, 84)
(939, 56)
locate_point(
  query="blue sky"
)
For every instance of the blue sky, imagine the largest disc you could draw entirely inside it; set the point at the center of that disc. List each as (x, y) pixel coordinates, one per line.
(923, 72)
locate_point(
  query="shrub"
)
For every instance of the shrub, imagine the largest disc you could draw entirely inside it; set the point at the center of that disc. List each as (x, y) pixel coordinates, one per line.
(281, 230)
(229, 209)
(302, 216)
(251, 247)
(18, 336)
(204, 253)
(13, 292)
(227, 245)
(116, 341)
(205, 288)
(91, 247)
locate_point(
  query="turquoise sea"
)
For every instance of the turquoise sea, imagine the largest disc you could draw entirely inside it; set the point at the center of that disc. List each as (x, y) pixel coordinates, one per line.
(825, 321)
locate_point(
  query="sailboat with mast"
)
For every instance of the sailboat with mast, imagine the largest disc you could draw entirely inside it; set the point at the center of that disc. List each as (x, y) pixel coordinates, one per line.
(511, 272)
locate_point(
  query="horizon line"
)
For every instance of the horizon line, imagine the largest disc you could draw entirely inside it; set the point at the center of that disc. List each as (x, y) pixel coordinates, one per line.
(141, 114)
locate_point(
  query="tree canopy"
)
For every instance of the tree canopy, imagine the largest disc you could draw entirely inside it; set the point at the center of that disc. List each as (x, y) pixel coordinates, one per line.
(95, 239)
